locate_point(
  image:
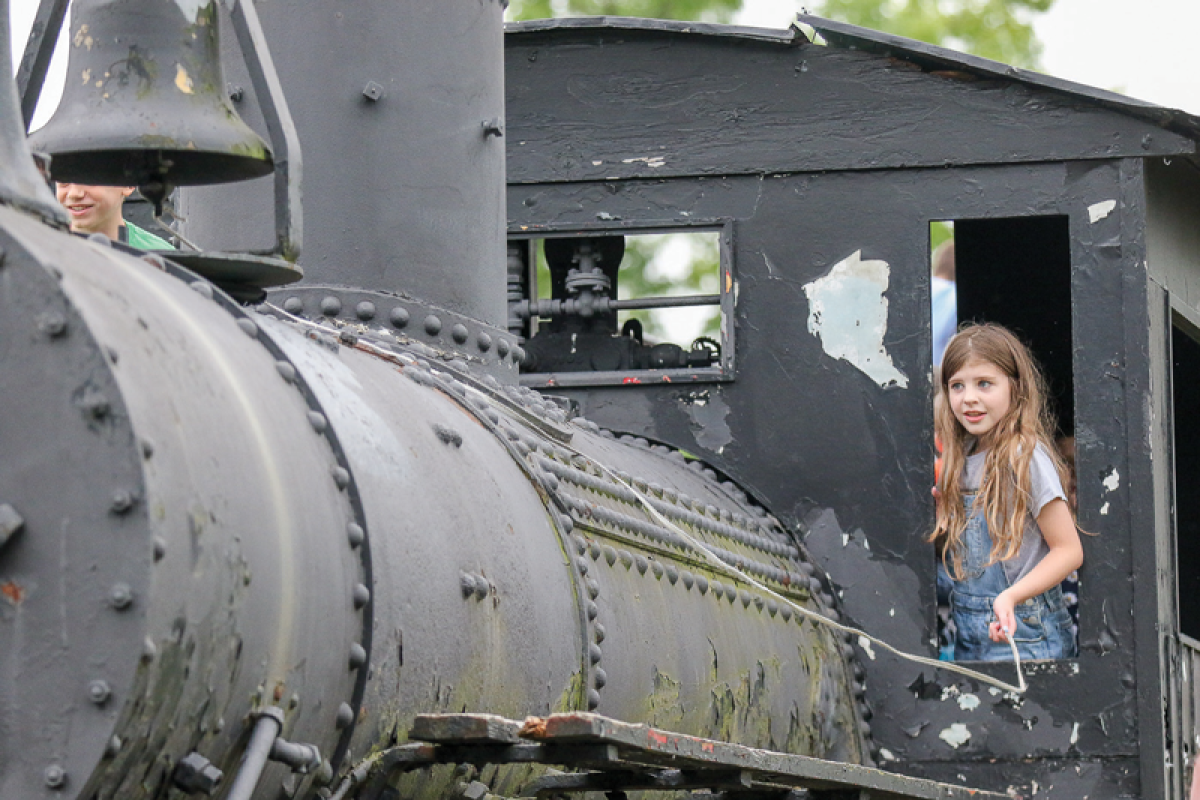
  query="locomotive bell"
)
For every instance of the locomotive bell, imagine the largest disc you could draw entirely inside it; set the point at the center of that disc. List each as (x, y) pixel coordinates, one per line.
(143, 103)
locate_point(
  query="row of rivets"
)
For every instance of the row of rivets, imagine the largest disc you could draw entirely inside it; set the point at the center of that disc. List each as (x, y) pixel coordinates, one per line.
(400, 317)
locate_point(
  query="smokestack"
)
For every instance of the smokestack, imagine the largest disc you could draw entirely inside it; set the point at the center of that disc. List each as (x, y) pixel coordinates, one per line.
(399, 108)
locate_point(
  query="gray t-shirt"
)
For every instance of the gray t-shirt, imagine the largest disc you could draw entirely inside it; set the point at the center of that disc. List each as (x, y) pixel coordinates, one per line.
(1044, 486)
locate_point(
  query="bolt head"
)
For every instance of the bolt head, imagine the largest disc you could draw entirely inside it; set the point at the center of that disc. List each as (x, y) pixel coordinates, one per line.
(99, 692)
(54, 776)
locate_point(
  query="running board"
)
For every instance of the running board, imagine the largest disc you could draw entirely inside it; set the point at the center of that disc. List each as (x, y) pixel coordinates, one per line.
(616, 757)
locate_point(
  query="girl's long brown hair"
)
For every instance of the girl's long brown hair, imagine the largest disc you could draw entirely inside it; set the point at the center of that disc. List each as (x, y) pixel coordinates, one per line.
(1004, 494)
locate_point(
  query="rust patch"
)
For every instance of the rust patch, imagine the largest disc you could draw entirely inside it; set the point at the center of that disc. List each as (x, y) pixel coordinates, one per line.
(12, 592)
(533, 727)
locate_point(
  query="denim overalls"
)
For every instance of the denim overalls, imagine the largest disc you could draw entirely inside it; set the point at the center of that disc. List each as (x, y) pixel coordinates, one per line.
(1043, 622)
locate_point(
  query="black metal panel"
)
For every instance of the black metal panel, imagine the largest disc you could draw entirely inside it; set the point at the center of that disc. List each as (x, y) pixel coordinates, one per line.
(849, 459)
(690, 104)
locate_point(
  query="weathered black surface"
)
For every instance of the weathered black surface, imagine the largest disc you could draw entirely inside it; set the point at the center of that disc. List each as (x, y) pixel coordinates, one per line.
(688, 104)
(819, 153)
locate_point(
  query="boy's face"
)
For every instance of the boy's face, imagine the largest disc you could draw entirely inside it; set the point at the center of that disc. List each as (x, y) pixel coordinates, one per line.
(94, 209)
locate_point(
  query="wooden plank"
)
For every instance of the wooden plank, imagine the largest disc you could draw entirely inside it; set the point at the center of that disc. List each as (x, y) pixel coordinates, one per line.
(464, 728)
(646, 745)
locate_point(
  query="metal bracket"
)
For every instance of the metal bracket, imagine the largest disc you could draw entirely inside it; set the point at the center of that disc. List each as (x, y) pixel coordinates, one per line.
(285, 142)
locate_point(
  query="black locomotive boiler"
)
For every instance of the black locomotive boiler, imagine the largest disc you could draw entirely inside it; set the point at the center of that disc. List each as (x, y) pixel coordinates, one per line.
(234, 534)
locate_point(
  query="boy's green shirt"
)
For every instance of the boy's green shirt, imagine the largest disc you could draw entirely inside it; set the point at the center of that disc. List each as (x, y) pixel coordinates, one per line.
(143, 239)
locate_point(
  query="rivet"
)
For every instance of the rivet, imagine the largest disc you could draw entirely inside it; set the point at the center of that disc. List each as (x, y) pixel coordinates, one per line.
(593, 589)
(294, 700)
(293, 305)
(447, 435)
(594, 551)
(248, 327)
(567, 523)
(759, 603)
(599, 678)
(576, 539)
(702, 584)
(99, 692)
(52, 323)
(433, 325)
(466, 582)
(482, 587)
(772, 607)
(592, 610)
(598, 632)
(746, 598)
(341, 477)
(202, 288)
(345, 715)
(593, 699)
(484, 342)
(331, 306)
(120, 596)
(502, 348)
(641, 563)
(160, 548)
(358, 656)
(355, 534)
(582, 565)
(673, 574)
(785, 611)
(518, 355)
(373, 91)
(361, 595)
(54, 776)
(626, 558)
(318, 421)
(365, 310)
(149, 649)
(398, 317)
(122, 501)
(147, 448)
(113, 747)
(718, 589)
(594, 653)
(459, 333)
(610, 554)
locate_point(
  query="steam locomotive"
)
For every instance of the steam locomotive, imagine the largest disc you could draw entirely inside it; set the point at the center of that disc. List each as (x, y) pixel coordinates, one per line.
(268, 504)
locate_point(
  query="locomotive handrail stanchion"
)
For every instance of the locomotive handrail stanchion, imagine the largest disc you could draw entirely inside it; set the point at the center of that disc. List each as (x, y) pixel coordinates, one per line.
(281, 129)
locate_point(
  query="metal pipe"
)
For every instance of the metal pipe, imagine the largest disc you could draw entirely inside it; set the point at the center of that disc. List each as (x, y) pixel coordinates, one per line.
(266, 730)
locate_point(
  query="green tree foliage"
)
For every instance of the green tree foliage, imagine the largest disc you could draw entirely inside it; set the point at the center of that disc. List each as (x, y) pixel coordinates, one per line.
(696, 10)
(998, 29)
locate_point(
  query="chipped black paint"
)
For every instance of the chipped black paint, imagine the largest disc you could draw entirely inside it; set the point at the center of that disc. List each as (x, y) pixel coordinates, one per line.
(816, 153)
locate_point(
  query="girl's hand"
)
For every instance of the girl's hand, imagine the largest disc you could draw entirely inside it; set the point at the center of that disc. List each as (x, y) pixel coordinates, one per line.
(1003, 607)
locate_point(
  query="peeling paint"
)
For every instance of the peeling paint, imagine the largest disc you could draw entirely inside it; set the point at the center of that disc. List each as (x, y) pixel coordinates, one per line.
(1104, 509)
(650, 161)
(1098, 211)
(886, 754)
(1075, 733)
(848, 313)
(865, 644)
(968, 702)
(956, 735)
(1113, 481)
(183, 81)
